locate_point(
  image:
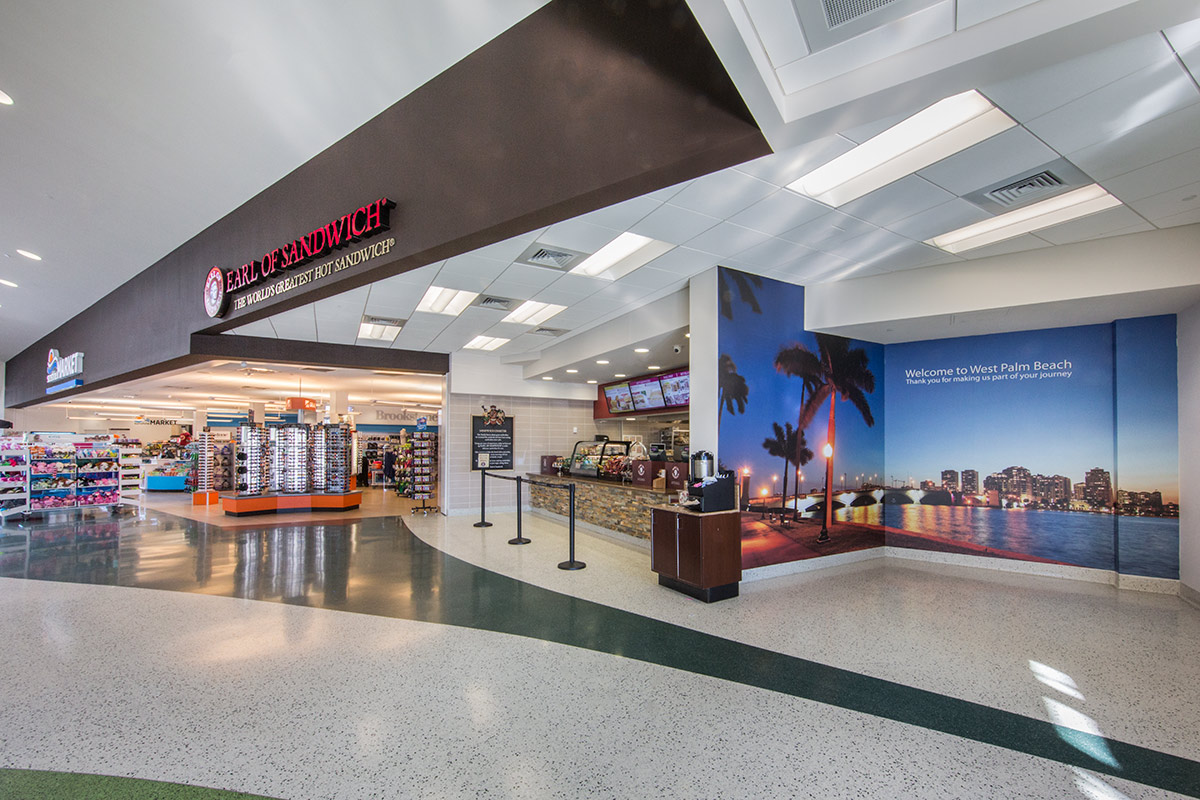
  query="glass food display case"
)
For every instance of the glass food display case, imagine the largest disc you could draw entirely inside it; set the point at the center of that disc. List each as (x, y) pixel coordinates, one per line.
(601, 458)
(615, 463)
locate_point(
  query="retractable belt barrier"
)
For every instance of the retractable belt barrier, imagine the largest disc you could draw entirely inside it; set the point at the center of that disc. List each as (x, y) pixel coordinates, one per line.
(570, 563)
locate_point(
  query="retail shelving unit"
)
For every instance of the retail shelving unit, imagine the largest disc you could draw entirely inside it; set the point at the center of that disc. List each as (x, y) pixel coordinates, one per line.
(292, 443)
(424, 470)
(51, 476)
(14, 477)
(97, 475)
(131, 471)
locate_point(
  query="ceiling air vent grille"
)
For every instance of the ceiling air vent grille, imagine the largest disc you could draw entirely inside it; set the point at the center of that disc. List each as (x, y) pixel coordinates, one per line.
(839, 12)
(370, 320)
(1019, 192)
(494, 303)
(558, 258)
(548, 331)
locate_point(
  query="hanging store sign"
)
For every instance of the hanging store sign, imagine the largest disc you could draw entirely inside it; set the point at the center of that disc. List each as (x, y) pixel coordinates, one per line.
(59, 368)
(301, 404)
(221, 286)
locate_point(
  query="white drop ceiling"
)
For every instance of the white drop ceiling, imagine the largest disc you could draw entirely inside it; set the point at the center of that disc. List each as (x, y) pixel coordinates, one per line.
(1116, 98)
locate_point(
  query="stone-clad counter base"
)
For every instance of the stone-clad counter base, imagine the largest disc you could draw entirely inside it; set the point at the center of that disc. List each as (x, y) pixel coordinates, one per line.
(607, 504)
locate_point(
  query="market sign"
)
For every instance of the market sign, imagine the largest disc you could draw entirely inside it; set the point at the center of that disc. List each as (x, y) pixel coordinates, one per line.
(59, 368)
(220, 286)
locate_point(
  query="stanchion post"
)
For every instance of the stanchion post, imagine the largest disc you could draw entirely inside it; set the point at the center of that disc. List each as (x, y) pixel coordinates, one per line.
(483, 523)
(519, 539)
(571, 563)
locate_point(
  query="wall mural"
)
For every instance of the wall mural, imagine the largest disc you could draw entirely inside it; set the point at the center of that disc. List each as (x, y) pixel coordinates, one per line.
(784, 394)
(1056, 446)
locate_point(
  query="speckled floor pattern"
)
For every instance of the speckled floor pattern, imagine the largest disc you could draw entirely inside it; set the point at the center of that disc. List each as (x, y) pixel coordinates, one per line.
(765, 708)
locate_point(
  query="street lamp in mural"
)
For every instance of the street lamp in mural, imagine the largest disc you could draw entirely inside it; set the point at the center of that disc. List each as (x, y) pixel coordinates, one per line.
(827, 451)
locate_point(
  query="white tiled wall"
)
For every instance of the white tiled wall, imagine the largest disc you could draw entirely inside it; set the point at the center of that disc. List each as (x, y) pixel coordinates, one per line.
(541, 426)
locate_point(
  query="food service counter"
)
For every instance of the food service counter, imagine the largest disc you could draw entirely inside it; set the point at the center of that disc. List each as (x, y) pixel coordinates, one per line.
(606, 504)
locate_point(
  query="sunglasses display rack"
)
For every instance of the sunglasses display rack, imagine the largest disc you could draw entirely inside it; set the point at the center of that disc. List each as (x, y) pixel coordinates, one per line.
(205, 463)
(252, 470)
(336, 461)
(318, 466)
(292, 446)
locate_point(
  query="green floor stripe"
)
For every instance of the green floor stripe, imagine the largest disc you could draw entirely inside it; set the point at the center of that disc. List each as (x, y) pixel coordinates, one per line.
(26, 784)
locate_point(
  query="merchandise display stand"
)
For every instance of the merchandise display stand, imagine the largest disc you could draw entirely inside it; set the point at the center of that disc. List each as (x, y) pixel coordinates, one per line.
(205, 493)
(131, 471)
(292, 468)
(14, 477)
(97, 475)
(51, 476)
(423, 483)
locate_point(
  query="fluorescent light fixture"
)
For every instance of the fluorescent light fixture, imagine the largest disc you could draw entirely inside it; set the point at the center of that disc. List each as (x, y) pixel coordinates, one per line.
(572, 371)
(531, 312)
(602, 362)
(945, 128)
(654, 366)
(369, 330)
(641, 349)
(8, 283)
(438, 300)
(547, 378)
(485, 343)
(591, 381)
(618, 374)
(1056, 210)
(622, 256)
(5, 100)
(29, 255)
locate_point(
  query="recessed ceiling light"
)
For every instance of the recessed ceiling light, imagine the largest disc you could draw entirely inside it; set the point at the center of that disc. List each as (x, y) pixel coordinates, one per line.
(641, 349)
(5, 100)
(27, 254)
(591, 381)
(1056, 210)
(8, 283)
(485, 343)
(439, 300)
(602, 362)
(654, 366)
(687, 336)
(622, 256)
(531, 312)
(572, 371)
(618, 374)
(945, 128)
(370, 330)
(547, 378)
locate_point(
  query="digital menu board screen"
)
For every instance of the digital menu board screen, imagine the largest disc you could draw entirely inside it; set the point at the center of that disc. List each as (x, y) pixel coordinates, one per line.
(675, 388)
(619, 399)
(647, 394)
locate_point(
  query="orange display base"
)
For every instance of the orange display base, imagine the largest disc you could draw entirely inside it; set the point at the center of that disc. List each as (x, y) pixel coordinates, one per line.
(282, 503)
(209, 498)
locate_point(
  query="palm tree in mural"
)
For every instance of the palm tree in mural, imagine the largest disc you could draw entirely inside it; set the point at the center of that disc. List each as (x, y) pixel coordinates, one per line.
(788, 444)
(732, 389)
(797, 450)
(745, 285)
(836, 370)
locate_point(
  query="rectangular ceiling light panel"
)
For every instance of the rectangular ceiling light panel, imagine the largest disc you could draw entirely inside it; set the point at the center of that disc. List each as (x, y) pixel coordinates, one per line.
(1056, 210)
(945, 128)
(370, 330)
(531, 312)
(622, 256)
(485, 343)
(439, 300)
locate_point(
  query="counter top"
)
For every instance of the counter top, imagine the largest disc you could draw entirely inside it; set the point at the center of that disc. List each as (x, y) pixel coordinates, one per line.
(676, 509)
(629, 487)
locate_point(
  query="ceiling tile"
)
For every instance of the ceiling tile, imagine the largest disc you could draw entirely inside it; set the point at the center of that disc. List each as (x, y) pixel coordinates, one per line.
(338, 317)
(1168, 204)
(1162, 176)
(973, 12)
(666, 193)
(669, 223)
(621, 215)
(1111, 222)
(508, 249)
(779, 212)
(875, 248)
(570, 289)
(939, 219)
(1115, 110)
(726, 239)
(915, 256)
(812, 267)
(648, 278)
(299, 324)
(574, 234)
(862, 133)
(784, 167)
(1186, 218)
(1036, 93)
(469, 273)
(903, 198)
(826, 231)
(773, 253)
(1010, 154)
(262, 327)
(1161, 138)
(520, 280)
(1185, 39)
(683, 261)
(723, 194)
(778, 29)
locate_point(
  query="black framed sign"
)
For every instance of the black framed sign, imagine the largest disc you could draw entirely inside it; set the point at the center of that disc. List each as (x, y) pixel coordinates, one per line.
(491, 441)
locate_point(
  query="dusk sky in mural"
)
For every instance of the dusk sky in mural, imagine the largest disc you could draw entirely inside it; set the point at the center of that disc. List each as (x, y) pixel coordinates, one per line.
(753, 340)
(1148, 406)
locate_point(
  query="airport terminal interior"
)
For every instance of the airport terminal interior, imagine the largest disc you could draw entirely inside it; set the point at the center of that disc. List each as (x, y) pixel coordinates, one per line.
(592, 398)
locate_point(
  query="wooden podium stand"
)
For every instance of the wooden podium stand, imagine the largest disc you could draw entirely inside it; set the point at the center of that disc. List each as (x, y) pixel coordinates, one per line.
(697, 554)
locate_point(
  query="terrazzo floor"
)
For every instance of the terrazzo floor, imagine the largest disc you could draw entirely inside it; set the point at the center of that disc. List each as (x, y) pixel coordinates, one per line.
(612, 687)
